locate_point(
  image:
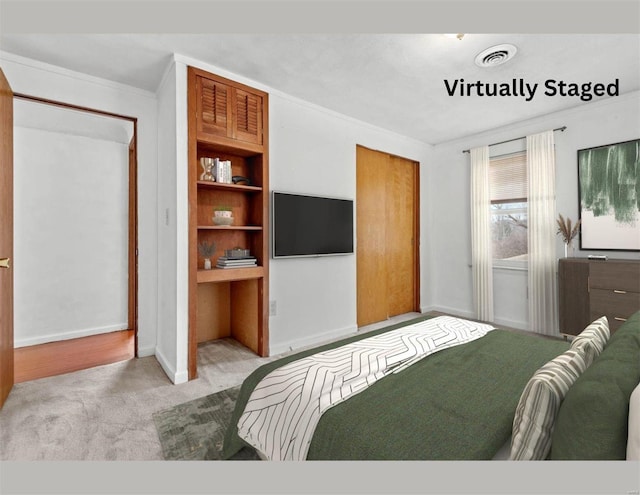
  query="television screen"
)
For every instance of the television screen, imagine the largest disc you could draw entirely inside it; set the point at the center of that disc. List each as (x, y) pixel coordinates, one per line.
(311, 225)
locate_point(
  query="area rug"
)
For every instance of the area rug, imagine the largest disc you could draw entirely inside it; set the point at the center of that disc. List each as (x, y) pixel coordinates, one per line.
(195, 430)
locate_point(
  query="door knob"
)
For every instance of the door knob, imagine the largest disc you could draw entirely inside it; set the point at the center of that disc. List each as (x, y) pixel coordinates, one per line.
(4, 263)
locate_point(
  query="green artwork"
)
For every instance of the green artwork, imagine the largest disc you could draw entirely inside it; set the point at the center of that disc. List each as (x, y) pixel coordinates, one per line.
(609, 179)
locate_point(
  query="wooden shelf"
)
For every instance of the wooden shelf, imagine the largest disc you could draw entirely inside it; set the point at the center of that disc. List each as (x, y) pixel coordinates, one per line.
(229, 274)
(230, 227)
(230, 145)
(229, 187)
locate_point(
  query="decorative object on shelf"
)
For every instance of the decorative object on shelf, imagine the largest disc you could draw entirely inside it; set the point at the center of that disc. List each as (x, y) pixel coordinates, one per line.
(237, 252)
(207, 169)
(207, 249)
(223, 220)
(568, 233)
(223, 211)
(239, 179)
(223, 215)
(608, 196)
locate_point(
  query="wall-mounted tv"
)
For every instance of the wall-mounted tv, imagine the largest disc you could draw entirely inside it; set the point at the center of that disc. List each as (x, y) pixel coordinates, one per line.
(306, 225)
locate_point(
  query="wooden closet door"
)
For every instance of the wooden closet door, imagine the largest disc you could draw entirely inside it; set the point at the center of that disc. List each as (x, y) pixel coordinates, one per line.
(371, 261)
(400, 230)
(387, 226)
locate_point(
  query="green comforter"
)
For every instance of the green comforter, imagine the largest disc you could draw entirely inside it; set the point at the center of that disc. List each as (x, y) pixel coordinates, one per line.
(456, 404)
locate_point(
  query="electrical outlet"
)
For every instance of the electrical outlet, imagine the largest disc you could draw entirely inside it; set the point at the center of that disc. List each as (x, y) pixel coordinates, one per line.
(272, 308)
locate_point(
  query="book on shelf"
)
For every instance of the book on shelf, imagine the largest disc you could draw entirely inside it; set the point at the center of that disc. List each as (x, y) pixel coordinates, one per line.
(242, 262)
(236, 262)
(225, 266)
(223, 171)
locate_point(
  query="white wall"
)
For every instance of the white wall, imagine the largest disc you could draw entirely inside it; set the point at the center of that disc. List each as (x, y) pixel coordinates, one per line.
(313, 151)
(71, 235)
(43, 80)
(599, 123)
(173, 235)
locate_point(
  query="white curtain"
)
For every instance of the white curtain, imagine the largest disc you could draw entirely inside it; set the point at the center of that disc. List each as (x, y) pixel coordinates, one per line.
(541, 175)
(481, 256)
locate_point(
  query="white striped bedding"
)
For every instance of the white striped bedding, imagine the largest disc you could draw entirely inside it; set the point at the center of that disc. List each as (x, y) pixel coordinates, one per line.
(284, 408)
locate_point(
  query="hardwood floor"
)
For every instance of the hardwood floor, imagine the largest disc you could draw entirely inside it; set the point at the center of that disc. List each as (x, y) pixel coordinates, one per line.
(65, 356)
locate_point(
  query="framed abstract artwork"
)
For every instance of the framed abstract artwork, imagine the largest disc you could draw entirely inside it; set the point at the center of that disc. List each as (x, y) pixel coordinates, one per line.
(608, 195)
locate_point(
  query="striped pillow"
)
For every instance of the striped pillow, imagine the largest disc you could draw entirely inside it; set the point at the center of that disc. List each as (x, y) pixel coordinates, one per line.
(539, 404)
(593, 338)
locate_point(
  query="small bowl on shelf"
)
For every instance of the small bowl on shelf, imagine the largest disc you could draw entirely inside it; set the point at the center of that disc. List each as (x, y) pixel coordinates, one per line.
(222, 220)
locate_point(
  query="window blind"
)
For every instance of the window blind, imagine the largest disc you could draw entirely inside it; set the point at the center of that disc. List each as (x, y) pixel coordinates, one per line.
(508, 178)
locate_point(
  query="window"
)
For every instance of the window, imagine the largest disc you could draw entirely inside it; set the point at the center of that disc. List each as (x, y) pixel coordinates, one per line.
(508, 190)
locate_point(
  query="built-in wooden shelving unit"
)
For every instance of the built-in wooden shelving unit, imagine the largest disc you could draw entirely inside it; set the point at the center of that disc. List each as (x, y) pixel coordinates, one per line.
(229, 121)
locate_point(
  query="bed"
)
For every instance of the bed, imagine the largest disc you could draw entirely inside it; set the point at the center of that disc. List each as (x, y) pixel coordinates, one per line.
(467, 401)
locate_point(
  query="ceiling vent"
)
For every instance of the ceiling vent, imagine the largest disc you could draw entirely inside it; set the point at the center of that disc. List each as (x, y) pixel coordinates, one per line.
(495, 55)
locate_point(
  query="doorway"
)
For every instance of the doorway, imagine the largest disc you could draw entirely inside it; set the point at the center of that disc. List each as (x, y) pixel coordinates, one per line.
(387, 225)
(75, 238)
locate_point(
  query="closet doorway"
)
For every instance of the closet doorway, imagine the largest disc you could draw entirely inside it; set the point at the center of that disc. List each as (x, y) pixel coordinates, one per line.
(75, 237)
(387, 235)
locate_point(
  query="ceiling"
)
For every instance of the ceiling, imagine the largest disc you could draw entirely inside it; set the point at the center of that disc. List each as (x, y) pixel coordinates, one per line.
(393, 81)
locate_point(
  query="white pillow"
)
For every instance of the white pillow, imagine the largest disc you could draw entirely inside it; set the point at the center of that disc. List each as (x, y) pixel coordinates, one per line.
(633, 439)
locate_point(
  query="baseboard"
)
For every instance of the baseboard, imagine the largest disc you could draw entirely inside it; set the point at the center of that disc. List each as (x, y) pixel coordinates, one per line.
(453, 311)
(174, 376)
(66, 356)
(325, 337)
(426, 309)
(505, 322)
(146, 351)
(74, 334)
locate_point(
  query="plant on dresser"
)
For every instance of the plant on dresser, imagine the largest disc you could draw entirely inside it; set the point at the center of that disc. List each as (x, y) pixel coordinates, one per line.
(228, 122)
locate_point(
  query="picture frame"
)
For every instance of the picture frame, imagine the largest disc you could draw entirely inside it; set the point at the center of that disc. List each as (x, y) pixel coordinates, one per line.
(608, 193)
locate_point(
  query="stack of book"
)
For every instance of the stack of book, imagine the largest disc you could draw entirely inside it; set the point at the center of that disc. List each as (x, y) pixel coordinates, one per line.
(222, 170)
(236, 262)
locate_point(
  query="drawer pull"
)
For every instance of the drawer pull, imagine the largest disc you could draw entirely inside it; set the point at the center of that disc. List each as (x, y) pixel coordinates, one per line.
(616, 291)
(619, 319)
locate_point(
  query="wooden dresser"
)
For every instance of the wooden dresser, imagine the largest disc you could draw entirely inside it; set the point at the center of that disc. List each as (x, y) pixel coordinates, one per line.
(589, 289)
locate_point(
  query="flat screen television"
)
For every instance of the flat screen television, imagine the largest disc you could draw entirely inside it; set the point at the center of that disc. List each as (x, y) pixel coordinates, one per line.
(305, 225)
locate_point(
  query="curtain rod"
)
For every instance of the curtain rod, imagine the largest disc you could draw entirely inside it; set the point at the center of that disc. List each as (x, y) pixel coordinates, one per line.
(561, 129)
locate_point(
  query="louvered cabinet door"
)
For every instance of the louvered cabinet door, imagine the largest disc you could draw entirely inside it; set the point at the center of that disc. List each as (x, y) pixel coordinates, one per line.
(214, 113)
(248, 116)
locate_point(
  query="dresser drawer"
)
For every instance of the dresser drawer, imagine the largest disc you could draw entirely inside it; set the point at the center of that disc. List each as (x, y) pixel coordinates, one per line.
(621, 275)
(616, 305)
